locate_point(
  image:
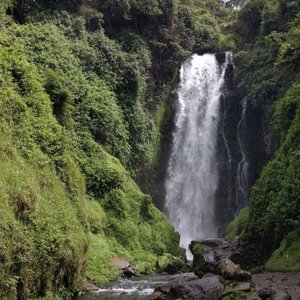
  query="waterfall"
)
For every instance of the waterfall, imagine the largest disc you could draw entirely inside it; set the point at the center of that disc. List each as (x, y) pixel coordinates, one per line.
(242, 185)
(192, 177)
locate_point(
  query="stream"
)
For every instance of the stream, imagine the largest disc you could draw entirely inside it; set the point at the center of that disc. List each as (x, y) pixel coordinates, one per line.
(138, 288)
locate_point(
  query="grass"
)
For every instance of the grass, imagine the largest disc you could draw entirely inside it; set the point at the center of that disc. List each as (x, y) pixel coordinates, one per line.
(236, 227)
(42, 240)
(287, 257)
(69, 125)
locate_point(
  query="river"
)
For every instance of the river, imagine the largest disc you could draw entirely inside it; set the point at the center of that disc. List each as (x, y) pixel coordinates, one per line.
(138, 288)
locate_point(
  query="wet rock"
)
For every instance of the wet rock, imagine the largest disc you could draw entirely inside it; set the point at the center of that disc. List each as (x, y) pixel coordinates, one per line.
(170, 264)
(130, 271)
(183, 256)
(266, 293)
(229, 75)
(209, 275)
(199, 273)
(220, 57)
(212, 243)
(157, 295)
(209, 288)
(171, 269)
(200, 263)
(187, 268)
(229, 270)
(164, 289)
(208, 253)
(290, 285)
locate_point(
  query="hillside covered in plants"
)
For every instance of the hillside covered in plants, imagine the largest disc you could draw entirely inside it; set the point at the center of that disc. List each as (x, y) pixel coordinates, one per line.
(84, 88)
(267, 61)
(86, 113)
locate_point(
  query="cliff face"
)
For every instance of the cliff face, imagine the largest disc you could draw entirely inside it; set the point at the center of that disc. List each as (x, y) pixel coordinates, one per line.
(267, 65)
(239, 148)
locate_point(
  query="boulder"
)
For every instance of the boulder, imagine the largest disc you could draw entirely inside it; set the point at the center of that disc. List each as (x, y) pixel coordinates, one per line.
(130, 271)
(162, 291)
(268, 293)
(124, 265)
(212, 243)
(208, 288)
(281, 295)
(158, 295)
(170, 264)
(199, 273)
(229, 270)
(183, 256)
(199, 262)
(209, 252)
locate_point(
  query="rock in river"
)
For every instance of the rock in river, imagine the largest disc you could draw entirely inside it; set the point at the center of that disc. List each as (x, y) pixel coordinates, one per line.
(208, 288)
(229, 270)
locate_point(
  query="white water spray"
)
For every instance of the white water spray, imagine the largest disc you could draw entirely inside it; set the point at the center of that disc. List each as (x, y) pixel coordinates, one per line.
(192, 172)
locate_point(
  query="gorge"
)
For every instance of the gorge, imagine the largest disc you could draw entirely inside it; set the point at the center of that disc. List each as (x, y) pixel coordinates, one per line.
(97, 150)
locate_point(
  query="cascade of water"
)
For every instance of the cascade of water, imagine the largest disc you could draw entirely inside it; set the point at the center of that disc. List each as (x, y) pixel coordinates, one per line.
(242, 185)
(192, 172)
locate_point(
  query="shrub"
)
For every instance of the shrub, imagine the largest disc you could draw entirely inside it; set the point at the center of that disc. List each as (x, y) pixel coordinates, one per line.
(237, 226)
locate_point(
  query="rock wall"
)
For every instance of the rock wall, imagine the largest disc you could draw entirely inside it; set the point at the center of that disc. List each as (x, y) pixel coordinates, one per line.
(229, 152)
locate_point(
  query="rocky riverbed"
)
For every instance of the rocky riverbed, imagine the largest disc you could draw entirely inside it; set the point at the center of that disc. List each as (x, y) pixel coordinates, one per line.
(278, 281)
(219, 276)
(215, 275)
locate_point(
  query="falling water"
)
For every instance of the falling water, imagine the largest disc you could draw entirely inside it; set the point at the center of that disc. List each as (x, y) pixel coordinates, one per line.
(192, 172)
(242, 188)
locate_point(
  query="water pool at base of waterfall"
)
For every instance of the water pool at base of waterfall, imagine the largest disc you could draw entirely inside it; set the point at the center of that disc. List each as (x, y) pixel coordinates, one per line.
(138, 288)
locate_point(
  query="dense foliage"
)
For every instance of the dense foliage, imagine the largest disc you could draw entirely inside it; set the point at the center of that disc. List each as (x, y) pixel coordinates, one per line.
(82, 92)
(267, 35)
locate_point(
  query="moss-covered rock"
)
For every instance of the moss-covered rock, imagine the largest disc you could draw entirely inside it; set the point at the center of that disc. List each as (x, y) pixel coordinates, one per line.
(287, 257)
(198, 249)
(236, 227)
(169, 264)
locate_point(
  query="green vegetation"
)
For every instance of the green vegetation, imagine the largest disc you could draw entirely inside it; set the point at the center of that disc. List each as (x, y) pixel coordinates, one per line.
(267, 35)
(197, 249)
(287, 257)
(276, 194)
(169, 263)
(83, 92)
(236, 227)
(84, 96)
